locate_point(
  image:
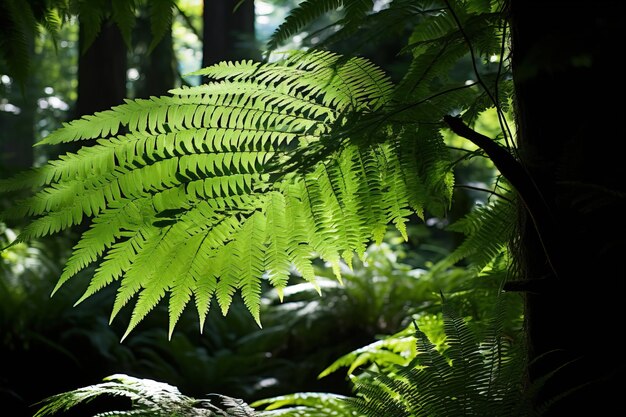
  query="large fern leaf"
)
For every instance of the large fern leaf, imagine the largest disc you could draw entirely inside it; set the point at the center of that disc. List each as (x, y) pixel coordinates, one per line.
(199, 194)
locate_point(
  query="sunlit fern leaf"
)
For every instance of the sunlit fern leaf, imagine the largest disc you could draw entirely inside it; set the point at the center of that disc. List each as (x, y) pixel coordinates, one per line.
(249, 255)
(184, 280)
(305, 404)
(471, 379)
(52, 20)
(149, 399)
(391, 350)
(277, 257)
(201, 193)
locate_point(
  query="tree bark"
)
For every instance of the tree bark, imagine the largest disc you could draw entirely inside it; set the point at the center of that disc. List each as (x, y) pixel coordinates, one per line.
(157, 67)
(569, 107)
(228, 34)
(101, 72)
(17, 132)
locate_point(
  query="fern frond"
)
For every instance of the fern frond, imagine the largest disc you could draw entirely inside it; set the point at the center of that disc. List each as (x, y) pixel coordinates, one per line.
(17, 34)
(52, 20)
(466, 381)
(90, 19)
(388, 351)
(250, 257)
(305, 404)
(123, 14)
(488, 229)
(161, 12)
(184, 281)
(148, 397)
(277, 256)
(199, 194)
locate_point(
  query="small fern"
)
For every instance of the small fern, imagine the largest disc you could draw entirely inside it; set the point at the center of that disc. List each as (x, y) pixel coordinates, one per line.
(469, 378)
(488, 230)
(298, 18)
(149, 398)
(305, 404)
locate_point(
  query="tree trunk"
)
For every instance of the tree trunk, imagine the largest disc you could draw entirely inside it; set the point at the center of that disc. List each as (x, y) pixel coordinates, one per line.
(17, 132)
(101, 72)
(157, 67)
(17, 127)
(569, 109)
(160, 73)
(228, 34)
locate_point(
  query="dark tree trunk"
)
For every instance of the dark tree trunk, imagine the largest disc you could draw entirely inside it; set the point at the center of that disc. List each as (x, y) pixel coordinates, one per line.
(17, 129)
(101, 72)
(160, 73)
(157, 67)
(570, 109)
(18, 133)
(227, 35)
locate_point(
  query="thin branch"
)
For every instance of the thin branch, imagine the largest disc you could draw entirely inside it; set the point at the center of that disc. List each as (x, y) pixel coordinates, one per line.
(188, 21)
(492, 192)
(501, 118)
(468, 156)
(441, 93)
(456, 148)
(518, 177)
(475, 67)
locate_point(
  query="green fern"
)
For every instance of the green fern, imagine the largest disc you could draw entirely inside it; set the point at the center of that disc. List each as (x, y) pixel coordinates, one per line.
(305, 404)
(17, 29)
(161, 13)
(210, 188)
(149, 399)
(469, 378)
(213, 189)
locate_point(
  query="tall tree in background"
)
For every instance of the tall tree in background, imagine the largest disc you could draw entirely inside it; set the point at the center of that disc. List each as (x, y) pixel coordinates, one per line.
(226, 29)
(17, 130)
(565, 75)
(157, 63)
(101, 70)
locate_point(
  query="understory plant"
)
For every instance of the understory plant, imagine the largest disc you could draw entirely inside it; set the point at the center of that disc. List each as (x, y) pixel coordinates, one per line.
(482, 379)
